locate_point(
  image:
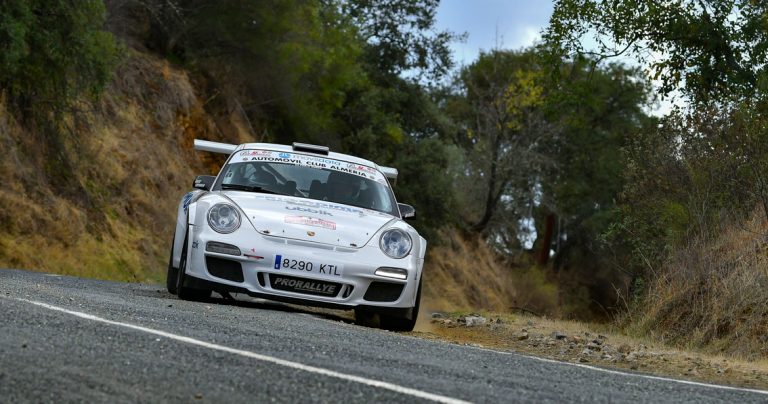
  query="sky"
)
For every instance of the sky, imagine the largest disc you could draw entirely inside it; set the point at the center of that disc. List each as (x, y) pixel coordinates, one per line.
(505, 24)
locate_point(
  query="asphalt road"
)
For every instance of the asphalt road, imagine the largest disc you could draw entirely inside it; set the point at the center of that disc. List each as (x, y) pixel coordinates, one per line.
(65, 339)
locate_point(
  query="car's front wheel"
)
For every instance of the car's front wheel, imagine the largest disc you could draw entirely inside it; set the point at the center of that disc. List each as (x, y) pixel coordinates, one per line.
(186, 292)
(402, 321)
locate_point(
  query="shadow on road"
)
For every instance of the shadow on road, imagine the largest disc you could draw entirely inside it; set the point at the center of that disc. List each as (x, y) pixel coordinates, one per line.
(245, 301)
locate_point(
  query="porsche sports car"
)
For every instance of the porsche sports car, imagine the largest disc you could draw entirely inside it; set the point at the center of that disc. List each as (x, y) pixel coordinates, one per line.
(299, 224)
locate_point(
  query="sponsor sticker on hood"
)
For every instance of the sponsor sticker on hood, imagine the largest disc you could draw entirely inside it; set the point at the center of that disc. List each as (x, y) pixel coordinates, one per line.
(310, 221)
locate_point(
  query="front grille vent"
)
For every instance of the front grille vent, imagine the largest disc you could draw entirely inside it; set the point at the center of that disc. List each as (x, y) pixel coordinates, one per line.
(383, 292)
(225, 269)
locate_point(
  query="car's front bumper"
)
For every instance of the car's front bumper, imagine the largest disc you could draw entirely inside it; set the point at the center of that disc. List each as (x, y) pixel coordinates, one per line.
(358, 286)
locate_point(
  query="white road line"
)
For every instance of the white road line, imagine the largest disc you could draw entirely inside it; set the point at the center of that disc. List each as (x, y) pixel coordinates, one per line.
(616, 372)
(264, 358)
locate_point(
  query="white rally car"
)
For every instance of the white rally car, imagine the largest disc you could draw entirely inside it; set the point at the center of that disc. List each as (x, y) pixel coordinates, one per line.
(299, 224)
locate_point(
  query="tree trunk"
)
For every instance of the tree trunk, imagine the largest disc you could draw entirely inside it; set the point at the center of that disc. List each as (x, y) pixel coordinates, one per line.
(546, 241)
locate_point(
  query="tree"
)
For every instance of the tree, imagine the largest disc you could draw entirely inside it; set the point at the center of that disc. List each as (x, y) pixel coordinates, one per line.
(543, 160)
(55, 56)
(53, 53)
(325, 71)
(501, 127)
(597, 111)
(710, 48)
(401, 37)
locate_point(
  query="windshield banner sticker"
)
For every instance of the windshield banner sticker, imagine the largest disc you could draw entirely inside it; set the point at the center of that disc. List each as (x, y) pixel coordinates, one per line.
(313, 161)
(310, 221)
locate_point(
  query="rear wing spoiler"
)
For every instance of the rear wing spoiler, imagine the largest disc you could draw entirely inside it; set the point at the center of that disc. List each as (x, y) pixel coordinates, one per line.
(389, 172)
(226, 148)
(215, 147)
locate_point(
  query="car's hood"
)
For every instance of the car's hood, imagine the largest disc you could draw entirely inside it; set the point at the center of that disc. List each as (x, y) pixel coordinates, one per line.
(308, 219)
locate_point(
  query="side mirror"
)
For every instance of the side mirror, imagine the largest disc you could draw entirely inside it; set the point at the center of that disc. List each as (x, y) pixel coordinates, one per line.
(406, 211)
(204, 182)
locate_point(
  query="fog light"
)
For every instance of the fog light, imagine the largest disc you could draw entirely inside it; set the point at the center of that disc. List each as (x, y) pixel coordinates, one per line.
(397, 273)
(222, 248)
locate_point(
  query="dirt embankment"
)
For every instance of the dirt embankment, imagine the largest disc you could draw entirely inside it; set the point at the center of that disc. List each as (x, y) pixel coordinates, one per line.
(590, 344)
(466, 274)
(102, 204)
(704, 317)
(712, 295)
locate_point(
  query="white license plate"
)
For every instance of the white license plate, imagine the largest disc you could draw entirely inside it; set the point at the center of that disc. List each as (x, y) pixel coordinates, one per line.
(301, 265)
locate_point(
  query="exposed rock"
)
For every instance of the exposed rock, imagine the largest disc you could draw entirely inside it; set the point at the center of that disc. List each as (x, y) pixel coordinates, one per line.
(438, 315)
(593, 347)
(521, 336)
(473, 321)
(558, 335)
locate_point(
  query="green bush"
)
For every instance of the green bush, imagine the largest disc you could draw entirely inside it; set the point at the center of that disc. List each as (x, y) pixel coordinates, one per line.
(53, 53)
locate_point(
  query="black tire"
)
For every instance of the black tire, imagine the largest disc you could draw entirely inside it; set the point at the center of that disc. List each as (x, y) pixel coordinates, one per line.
(404, 322)
(185, 292)
(365, 317)
(173, 272)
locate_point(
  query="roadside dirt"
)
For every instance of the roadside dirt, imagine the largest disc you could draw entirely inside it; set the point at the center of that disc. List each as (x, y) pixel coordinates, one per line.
(590, 344)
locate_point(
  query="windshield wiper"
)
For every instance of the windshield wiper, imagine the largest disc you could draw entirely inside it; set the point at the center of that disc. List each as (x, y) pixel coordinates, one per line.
(249, 188)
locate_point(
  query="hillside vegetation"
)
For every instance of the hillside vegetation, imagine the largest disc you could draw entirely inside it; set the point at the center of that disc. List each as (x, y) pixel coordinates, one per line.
(540, 181)
(131, 159)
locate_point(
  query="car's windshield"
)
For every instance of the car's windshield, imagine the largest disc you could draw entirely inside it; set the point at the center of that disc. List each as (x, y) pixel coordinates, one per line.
(306, 176)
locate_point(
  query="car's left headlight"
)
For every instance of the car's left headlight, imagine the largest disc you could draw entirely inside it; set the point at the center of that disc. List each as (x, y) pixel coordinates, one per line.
(395, 243)
(224, 218)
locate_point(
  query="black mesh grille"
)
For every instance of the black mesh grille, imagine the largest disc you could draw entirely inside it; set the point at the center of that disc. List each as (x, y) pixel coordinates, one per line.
(383, 292)
(225, 269)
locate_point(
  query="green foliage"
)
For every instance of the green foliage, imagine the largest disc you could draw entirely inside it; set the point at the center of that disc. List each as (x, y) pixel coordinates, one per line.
(289, 63)
(427, 184)
(597, 113)
(500, 126)
(401, 37)
(692, 175)
(327, 72)
(711, 48)
(53, 52)
(547, 153)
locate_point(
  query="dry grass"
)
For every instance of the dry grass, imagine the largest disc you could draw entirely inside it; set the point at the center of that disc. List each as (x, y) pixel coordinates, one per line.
(132, 159)
(601, 345)
(465, 274)
(712, 296)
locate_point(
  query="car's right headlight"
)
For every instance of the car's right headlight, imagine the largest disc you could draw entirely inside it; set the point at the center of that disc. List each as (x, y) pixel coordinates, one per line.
(224, 218)
(395, 243)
